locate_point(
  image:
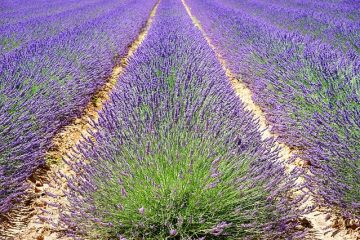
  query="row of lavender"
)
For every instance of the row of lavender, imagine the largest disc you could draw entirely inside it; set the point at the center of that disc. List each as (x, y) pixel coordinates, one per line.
(309, 90)
(338, 8)
(15, 11)
(44, 28)
(336, 24)
(176, 154)
(47, 83)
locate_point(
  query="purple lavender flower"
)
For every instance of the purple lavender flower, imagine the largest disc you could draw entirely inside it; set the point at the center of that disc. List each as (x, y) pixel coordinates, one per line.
(142, 210)
(173, 232)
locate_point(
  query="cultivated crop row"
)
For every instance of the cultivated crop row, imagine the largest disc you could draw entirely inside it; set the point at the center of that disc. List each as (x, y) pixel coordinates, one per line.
(226, 120)
(308, 89)
(335, 24)
(17, 11)
(45, 28)
(45, 84)
(174, 153)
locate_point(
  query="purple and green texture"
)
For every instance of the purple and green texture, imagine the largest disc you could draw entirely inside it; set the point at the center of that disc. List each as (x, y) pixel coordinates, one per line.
(301, 61)
(46, 83)
(176, 155)
(43, 26)
(334, 23)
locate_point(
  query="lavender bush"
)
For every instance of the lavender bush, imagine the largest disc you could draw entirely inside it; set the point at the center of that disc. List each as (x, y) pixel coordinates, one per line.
(308, 89)
(176, 156)
(44, 28)
(17, 11)
(332, 23)
(46, 84)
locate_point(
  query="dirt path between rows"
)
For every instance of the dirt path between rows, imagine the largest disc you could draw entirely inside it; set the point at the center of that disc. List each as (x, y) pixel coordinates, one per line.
(322, 224)
(25, 221)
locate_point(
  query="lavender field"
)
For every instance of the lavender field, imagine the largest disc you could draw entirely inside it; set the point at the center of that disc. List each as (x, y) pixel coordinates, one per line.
(179, 119)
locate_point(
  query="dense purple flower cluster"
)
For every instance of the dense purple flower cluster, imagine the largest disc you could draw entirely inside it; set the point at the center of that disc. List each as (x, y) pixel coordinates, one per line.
(44, 84)
(44, 27)
(176, 154)
(16, 11)
(336, 24)
(307, 85)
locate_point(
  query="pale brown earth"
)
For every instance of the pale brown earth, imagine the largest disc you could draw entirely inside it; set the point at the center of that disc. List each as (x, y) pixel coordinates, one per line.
(25, 222)
(323, 225)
